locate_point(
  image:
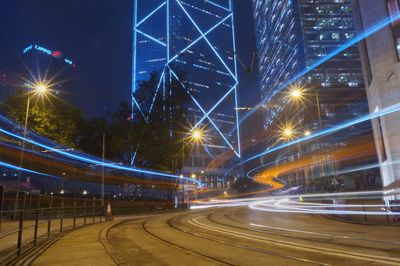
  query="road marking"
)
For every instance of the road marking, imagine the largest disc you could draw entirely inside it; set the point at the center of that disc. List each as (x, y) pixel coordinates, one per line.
(328, 251)
(321, 234)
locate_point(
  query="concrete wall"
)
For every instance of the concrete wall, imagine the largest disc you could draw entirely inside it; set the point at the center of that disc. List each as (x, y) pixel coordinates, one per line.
(383, 87)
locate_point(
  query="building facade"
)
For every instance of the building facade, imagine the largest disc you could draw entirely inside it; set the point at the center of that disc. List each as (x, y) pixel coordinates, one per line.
(382, 80)
(297, 36)
(196, 38)
(7, 77)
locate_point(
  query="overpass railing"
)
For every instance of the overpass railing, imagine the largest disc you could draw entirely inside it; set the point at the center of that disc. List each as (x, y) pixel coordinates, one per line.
(27, 219)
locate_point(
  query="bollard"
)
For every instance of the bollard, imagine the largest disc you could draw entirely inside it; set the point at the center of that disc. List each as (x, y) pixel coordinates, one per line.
(109, 212)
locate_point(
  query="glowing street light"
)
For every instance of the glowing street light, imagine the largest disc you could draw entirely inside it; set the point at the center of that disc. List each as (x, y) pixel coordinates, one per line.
(197, 135)
(288, 132)
(296, 93)
(307, 133)
(40, 88)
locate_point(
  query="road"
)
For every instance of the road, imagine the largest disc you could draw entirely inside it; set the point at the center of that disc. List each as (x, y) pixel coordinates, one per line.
(241, 236)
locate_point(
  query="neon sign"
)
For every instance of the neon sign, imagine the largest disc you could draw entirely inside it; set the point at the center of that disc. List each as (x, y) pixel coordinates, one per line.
(55, 54)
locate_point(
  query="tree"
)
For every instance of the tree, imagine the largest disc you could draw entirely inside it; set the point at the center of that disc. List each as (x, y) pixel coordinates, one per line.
(51, 118)
(90, 135)
(159, 139)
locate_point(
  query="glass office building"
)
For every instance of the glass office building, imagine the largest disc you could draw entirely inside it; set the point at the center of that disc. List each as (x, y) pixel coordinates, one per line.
(196, 37)
(291, 37)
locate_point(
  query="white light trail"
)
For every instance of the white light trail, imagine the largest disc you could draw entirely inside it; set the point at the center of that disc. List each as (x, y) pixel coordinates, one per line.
(292, 204)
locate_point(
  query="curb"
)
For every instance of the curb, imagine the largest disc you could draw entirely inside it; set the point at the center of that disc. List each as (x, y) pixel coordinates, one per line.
(115, 256)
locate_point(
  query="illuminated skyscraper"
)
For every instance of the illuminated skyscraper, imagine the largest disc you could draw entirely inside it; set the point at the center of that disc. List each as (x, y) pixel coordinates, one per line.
(4, 77)
(291, 37)
(279, 46)
(8, 76)
(299, 33)
(197, 38)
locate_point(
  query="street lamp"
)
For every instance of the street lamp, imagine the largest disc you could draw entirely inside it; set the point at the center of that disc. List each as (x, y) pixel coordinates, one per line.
(296, 93)
(287, 132)
(40, 88)
(307, 133)
(37, 89)
(197, 135)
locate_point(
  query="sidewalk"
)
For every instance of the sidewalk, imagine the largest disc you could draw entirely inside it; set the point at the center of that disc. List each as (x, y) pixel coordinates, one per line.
(9, 230)
(79, 247)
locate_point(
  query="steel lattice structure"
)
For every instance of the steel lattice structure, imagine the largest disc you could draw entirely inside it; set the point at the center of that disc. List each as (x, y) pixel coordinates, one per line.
(197, 36)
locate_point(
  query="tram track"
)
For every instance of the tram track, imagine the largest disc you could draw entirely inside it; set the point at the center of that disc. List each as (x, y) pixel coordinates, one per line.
(223, 240)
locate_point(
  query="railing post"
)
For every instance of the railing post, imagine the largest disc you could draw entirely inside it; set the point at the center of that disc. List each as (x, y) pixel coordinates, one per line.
(62, 214)
(74, 218)
(94, 209)
(84, 212)
(49, 218)
(365, 214)
(37, 215)
(21, 225)
(36, 227)
(1, 204)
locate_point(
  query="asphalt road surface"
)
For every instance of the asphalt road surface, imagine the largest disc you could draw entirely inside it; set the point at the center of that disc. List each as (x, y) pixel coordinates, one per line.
(241, 236)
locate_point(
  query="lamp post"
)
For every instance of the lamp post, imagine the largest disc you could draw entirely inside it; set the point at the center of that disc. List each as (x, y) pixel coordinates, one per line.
(38, 89)
(297, 93)
(319, 109)
(288, 133)
(102, 169)
(195, 136)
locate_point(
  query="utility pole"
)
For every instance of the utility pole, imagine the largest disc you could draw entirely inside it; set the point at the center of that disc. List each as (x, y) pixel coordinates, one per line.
(102, 169)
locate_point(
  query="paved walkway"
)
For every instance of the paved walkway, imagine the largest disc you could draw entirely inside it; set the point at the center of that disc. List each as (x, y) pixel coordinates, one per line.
(79, 247)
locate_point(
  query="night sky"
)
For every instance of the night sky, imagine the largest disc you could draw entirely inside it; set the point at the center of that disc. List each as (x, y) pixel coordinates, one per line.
(97, 35)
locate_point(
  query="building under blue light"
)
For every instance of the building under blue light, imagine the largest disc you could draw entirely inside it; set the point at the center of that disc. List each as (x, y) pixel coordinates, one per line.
(291, 36)
(196, 37)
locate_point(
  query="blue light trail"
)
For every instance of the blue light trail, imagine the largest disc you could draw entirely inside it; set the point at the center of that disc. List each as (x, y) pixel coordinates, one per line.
(377, 27)
(10, 166)
(98, 162)
(391, 109)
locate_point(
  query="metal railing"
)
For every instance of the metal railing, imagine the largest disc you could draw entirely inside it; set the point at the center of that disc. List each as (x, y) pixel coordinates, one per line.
(26, 219)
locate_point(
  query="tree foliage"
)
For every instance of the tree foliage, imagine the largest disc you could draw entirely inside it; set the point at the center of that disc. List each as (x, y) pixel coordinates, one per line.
(155, 140)
(51, 118)
(159, 139)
